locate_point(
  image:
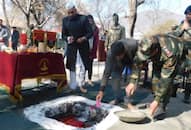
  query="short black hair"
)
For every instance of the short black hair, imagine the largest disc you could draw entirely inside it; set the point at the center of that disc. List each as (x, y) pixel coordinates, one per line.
(117, 48)
(90, 16)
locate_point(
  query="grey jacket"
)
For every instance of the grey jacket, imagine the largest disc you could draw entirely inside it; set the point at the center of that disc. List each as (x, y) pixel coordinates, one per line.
(117, 66)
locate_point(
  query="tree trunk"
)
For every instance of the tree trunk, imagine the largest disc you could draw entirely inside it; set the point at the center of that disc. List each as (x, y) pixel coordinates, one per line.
(133, 5)
(28, 20)
(101, 22)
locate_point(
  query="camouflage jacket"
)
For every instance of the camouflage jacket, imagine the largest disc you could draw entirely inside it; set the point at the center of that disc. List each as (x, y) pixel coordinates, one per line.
(114, 34)
(182, 33)
(185, 36)
(166, 60)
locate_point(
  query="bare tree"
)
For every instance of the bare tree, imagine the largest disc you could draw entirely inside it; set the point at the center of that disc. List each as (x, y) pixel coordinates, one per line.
(81, 7)
(5, 13)
(154, 7)
(44, 10)
(98, 12)
(24, 6)
(103, 11)
(162, 28)
(38, 10)
(132, 17)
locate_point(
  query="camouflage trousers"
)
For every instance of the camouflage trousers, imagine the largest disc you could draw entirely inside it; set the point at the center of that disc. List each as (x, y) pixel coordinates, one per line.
(162, 89)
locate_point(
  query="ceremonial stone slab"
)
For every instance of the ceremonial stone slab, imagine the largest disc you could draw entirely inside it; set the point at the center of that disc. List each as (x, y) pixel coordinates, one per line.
(130, 115)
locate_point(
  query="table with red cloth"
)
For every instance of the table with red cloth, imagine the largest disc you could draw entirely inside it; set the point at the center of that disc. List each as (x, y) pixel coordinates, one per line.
(18, 66)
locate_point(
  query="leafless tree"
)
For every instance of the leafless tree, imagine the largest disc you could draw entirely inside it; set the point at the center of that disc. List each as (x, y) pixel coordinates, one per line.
(132, 17)
(5, 13)
(46, 9)
(24, 6)
(103, 11)
(81, 7)
(39, 10)
(154, 7)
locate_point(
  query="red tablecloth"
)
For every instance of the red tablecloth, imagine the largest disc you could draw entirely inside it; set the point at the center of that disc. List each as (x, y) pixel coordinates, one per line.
(18, 66)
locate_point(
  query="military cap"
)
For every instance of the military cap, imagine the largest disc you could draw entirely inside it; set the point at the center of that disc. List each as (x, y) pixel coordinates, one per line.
(146, 46)
(188, 10)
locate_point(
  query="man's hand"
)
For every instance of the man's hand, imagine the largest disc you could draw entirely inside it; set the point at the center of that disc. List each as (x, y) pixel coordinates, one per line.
(99, 96)
(153, 107)
(70, 39)
(106, 49)
(1, 39)
(130, 89)
(81, 39)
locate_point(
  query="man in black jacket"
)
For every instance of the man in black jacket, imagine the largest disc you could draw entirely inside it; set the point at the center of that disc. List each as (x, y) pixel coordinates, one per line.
(76, 30)
(120, 55)
(15, 38)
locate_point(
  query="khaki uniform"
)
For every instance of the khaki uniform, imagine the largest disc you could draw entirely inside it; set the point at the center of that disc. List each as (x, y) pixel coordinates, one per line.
(114, 34)
(165, 63)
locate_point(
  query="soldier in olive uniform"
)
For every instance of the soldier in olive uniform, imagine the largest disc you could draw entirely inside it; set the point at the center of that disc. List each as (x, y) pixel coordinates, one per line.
(183, 31)
(165, 51)
(116, 32)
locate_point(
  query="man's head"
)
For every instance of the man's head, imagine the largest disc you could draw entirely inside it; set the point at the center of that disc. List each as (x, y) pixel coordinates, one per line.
(31, 26)
(71, 9)
(187, 13)
(115, 19)
(118, 50)
(14, 28)
(90, 19)
(148, 48)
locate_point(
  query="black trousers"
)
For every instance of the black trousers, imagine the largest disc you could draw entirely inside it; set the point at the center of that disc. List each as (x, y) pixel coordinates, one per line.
(14, 46)
(90, 69)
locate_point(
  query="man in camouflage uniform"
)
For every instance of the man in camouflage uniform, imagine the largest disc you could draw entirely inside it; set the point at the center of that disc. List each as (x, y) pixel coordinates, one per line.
(183, 31)
(165, 51)
(116, 32)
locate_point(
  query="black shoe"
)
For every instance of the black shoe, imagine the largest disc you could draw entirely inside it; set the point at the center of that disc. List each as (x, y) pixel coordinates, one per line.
(159, 113)
(173, 95)
(187, 101)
